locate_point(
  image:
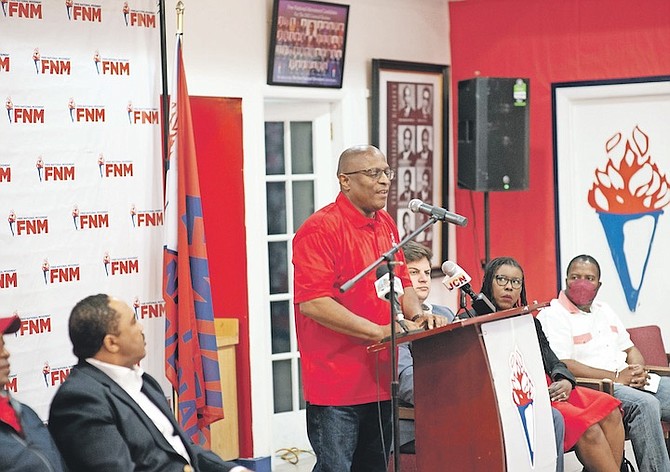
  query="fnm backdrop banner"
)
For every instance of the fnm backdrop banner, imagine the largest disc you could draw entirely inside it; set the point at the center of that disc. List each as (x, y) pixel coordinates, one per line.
(80, 177)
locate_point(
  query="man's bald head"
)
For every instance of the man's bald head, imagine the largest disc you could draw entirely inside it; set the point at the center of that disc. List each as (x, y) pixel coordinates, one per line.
(349, 157)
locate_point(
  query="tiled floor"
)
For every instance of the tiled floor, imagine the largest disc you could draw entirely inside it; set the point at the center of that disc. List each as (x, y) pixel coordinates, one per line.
(306, 462)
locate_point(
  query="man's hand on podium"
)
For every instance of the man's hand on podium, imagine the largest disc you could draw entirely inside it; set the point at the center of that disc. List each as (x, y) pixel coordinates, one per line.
(399, 331)
(430, 321)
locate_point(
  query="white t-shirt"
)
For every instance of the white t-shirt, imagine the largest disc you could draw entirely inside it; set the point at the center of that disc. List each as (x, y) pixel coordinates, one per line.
(597, 339)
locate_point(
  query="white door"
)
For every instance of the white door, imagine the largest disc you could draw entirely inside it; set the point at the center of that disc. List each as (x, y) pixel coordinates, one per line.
(299, 179)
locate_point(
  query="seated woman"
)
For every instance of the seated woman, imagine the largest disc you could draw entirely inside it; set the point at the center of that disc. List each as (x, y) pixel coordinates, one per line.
(593, 424)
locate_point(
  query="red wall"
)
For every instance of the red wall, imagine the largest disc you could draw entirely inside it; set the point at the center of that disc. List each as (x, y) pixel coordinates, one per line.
(570, 40)
(217, 126)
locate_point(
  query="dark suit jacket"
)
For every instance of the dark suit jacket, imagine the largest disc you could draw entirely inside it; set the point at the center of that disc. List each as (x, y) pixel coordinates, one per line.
(32, 451)
(98, 427)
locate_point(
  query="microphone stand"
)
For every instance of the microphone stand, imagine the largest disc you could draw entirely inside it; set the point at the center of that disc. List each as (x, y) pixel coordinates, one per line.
(465, 313)
(388, 256)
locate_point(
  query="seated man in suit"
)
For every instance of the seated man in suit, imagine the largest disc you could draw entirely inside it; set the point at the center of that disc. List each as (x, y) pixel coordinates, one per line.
(111, 416)
(25, 443)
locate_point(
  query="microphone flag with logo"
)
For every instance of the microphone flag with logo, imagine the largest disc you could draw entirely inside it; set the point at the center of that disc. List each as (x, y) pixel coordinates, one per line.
(191, 362)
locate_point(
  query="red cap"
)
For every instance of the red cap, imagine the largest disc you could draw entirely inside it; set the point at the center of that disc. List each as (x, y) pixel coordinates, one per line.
(10, 324)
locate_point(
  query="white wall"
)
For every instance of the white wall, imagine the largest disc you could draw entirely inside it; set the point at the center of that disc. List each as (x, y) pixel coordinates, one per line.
(225, 54)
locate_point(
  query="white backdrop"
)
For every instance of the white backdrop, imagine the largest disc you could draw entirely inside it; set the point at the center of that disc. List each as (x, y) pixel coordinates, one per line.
(80, 177)
(616, 137)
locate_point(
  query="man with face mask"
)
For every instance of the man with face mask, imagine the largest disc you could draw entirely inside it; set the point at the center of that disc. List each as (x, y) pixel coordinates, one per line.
(593, 342)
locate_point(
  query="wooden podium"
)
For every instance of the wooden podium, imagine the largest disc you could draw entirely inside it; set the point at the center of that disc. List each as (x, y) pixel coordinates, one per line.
(456, 401)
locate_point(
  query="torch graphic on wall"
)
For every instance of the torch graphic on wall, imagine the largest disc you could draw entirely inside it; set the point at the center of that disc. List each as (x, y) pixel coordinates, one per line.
(628, 196)
(523, 394)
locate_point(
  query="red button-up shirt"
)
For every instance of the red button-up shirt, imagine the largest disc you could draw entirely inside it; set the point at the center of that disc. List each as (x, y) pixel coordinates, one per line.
(331, 247)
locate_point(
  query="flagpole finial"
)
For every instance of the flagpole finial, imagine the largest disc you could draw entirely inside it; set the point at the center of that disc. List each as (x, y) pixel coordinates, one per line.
(180, 17)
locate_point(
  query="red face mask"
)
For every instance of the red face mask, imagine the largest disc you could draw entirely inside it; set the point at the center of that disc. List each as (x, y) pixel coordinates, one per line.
(581, 292)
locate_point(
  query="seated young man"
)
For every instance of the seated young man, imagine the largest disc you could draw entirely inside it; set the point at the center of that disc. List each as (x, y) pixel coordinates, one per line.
(418, 258)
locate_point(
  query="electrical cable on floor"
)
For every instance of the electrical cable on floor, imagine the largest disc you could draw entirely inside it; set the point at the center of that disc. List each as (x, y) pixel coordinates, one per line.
(291, 455)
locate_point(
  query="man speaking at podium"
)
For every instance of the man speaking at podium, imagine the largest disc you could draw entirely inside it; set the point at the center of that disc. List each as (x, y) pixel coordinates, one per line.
(348, 390)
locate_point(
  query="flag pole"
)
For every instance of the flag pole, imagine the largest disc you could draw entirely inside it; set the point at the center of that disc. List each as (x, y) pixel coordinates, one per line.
(180, 17)
(164, 82)
(180, 29)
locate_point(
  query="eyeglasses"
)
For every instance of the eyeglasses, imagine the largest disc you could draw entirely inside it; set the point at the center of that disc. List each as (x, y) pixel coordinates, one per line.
(502, 281)
(374, 173)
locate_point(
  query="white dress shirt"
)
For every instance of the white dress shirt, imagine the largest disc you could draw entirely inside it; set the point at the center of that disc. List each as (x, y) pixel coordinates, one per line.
(131, 381)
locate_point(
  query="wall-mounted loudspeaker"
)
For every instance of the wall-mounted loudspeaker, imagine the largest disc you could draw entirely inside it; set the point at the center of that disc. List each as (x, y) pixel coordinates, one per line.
(493, 116)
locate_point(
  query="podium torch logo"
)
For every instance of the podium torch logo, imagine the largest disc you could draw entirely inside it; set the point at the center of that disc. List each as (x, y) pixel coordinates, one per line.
(136, 306)
(68, 8)
(629, 196)
(101, 163)
(129, 109)
(523, 394)
(133, 213)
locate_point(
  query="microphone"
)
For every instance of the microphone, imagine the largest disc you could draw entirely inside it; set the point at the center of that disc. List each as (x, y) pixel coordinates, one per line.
(456, 277)
(383, 288)
(417, 206)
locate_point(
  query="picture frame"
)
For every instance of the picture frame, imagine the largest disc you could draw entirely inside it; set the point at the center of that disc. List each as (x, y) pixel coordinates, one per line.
(410, 103)
(611, 186)
(307, 43)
